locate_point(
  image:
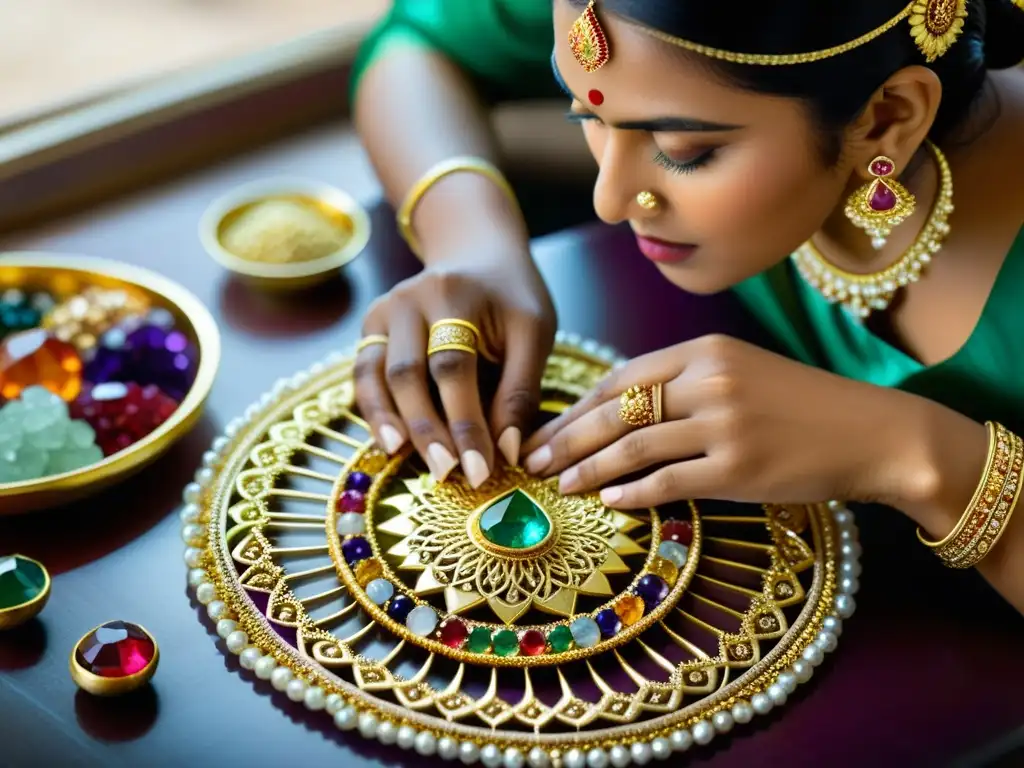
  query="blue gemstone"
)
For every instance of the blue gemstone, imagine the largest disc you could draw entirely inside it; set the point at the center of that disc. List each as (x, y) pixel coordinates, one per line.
(608, 622)
(585, 632)
(355, 549)
(652, 590)
(400, 608)
(358, 481)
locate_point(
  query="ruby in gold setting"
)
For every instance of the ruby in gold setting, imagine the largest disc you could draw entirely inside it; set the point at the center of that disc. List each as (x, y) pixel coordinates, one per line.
(116, 649)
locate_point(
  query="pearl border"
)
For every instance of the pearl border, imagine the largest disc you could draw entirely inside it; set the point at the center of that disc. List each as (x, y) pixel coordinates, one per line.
(349, 718)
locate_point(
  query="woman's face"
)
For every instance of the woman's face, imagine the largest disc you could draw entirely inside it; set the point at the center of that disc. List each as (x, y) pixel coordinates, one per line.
(738, 176)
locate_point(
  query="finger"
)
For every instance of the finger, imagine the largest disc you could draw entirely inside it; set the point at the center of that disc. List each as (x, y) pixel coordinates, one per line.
(637, 450)
(518, 395)
(583, 437)
(374, 399)
(700, 478)
(406, 374)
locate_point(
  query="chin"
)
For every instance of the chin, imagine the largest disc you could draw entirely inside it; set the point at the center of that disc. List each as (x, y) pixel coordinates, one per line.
(694, 279)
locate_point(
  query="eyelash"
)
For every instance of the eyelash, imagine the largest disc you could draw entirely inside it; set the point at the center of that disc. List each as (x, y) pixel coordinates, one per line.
(689, 166)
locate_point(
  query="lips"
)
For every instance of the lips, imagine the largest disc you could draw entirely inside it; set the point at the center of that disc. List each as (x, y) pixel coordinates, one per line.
(663, 251)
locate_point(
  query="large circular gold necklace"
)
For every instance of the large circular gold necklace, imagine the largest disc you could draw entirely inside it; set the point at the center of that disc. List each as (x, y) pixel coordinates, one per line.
(863, 294)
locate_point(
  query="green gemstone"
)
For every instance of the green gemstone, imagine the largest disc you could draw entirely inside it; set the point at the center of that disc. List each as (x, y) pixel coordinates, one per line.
(479, 640)
(560, 639)
(515, 522)
(21, 581)
(506, 643)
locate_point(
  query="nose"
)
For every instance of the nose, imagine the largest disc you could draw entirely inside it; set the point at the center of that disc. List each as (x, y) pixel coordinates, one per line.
(618, 180)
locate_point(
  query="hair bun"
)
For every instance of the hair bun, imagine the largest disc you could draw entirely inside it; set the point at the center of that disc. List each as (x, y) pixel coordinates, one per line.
(1004, 33)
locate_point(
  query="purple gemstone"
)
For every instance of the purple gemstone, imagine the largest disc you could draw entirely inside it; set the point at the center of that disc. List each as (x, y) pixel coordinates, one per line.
(165, 358)
(882, 198)
(652, 590)
(352, 501)
(355, 549)
(107, 365)
(359, 481)
(400, 608)
(608, 622)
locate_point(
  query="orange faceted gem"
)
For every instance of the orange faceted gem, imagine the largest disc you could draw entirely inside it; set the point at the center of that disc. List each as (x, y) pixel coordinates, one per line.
(34, 358)
(630, 609)
(666, 569)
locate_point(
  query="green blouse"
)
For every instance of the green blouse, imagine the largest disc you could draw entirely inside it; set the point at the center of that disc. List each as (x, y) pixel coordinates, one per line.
(505, 45)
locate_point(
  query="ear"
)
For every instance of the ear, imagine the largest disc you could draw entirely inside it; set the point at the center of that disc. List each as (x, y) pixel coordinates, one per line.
(896, 120)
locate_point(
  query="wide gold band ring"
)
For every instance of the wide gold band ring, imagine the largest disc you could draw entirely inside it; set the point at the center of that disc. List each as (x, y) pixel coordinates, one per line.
(453, 335)
(640, 405)
(371, 340)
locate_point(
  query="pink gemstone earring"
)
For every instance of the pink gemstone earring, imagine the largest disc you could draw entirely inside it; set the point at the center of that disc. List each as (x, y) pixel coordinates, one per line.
(881, 204)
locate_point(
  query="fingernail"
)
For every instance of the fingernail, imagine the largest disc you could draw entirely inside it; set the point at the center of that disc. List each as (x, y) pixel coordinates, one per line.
(391, 439)
(475, 466)
(610, 496)
(509, 443)
(441, 462)
(539, 459)
(569, 481)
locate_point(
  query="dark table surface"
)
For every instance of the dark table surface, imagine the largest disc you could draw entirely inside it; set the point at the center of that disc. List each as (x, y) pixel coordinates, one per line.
(930, 669)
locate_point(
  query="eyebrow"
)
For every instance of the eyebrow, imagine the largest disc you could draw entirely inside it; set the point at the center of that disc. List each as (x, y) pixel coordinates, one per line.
(654, 125)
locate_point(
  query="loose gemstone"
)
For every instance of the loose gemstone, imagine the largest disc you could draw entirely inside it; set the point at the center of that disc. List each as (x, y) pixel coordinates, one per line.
(117, 649)
(454, 633)
(506, 643)
(882, 197)
(165, 358)
(630, 609)
(352, 501)
(665, 569)
(532, 643)
(368, 570)
(19, 312)
(882, 168)
(85, 317)
(479, 640)
(355, 549)
(560, 639)
(515, 522)
(422, 620)
(652, 589)
(21, 581)
(585, 632)
(400, 608)
(358, 481)
(380, 591)
(674, 553)
(679, 531)
(608, 622)
(122, 414)
(351, 524)
(34, 358)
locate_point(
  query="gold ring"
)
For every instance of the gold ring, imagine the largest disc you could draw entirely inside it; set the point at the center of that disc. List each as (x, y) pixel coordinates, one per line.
(371, 340)
(453, 335)
(24, 590)
(647, 200)
(640, 405)
(114, 658)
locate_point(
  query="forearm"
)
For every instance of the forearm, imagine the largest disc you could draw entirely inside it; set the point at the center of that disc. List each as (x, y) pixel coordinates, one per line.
(414, 108)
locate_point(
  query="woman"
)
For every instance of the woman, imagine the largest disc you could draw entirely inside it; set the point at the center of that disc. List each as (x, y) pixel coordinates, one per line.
(803, 154)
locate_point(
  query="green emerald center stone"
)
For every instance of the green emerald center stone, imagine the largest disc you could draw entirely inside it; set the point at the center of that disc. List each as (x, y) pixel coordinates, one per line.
(515, 522)
(21, 581)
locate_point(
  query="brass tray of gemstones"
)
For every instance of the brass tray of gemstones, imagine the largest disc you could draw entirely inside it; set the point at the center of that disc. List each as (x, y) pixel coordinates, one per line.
(508, 625)
(103, 366)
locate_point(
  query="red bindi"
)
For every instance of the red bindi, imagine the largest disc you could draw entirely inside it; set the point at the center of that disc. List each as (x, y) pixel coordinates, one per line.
(596, 97)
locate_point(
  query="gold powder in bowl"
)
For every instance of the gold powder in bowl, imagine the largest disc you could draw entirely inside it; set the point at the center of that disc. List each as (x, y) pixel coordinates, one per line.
(285, 231)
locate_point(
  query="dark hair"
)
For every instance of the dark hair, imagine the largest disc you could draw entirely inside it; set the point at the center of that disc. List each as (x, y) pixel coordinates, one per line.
(836, 89)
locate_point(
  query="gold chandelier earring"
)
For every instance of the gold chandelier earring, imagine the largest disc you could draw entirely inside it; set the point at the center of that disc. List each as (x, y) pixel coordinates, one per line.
(882, 204)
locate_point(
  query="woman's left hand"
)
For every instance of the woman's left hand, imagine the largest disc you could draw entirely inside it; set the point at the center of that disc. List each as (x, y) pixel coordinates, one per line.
(740, 424)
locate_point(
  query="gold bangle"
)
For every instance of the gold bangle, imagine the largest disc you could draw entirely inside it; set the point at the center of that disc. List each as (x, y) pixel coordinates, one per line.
(434, 175)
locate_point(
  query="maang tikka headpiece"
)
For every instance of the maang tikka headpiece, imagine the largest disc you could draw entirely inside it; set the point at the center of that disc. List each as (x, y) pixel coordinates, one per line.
(588, 41)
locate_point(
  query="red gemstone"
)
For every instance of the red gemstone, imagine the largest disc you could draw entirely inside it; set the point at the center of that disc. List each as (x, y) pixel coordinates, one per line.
(679, 531)
(122, 414)
(117, 649)
(596, 97)
(352, 501)
(882, 168)
(454, 633)
(882, 198)
(533, 643)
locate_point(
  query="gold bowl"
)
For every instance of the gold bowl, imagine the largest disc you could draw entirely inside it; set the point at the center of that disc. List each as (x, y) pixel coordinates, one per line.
(64, 275)
(338, 207)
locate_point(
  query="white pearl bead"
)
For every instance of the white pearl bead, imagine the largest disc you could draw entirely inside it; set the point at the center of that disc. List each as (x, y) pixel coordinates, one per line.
(851, 550)
(833, 625)
(316, 369)
(234, 427)
(619, 756)
(300, 378)
(597, 758)
(641, 753)
(681, 740)
(265, 667)
(315, 699)
(469, 752)
(216, 610)
(296, 690)
(248, 658)
(722, 721)
(280, 678)
(406, 737)
(803, 670)
(189, 514)
(845, 606)
(225, 627)
(387, 733)
(703, 732)
(843, 517)
(194, 535)
(847, 534)
(210, 458)
(513, 758)
(426, 744)
(334, 704)
(205, 476)
(848, 585)
(220, 444)
(346, 719)
(661, 749)
(788, 681)
(777, 694)
(761, 703)
(538, 758)
(368, 725)
(742, 712)
(351, 524)
(447, 748)
(826, 641)
(206, 593)
(197, 576)
(813, 655)
(251, 412)
(190, 494)
(237, 641)
(265, 399)
(193, 557)
(850, 568)
(574, 759)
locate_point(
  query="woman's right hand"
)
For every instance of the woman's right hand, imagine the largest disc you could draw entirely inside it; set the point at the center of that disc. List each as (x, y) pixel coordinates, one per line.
(503, 295)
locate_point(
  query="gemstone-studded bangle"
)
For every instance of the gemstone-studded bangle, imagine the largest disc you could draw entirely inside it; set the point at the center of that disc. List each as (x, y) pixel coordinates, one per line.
(988, 514)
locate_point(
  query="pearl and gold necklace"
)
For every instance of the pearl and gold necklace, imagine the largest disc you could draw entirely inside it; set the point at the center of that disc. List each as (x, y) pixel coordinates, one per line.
(863, 294)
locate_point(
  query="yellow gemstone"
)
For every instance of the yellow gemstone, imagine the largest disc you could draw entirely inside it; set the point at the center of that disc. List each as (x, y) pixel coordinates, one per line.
(666, 569)
(368, 570)
(630, 609)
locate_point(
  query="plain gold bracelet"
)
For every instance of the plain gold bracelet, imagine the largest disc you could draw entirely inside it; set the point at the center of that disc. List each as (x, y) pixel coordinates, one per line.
(435, 174)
